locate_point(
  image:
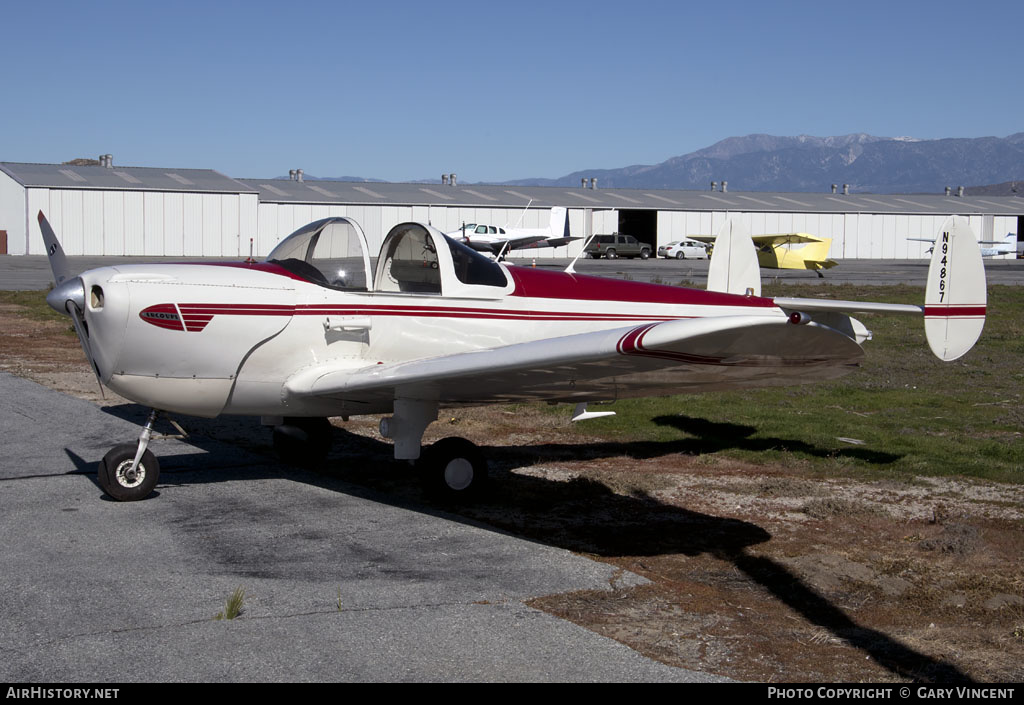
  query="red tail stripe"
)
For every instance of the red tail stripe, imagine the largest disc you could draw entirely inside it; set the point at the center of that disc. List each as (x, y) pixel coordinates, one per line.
(953, 311)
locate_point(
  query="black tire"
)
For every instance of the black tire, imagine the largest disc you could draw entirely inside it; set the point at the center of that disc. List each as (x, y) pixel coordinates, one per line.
(116, 480)
(680, 255)
(610, 254)
(303, 441)
(454, 468)
(644, 254)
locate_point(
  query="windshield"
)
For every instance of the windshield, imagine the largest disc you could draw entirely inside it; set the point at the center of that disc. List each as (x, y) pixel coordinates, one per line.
(328, 252)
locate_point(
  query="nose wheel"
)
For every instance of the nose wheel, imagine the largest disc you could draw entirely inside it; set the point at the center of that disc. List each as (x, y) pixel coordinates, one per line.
(124, 479)
(129, 472)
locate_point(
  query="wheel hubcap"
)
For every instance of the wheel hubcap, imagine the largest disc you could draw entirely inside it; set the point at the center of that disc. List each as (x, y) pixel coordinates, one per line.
(458, 474)
(127, 478)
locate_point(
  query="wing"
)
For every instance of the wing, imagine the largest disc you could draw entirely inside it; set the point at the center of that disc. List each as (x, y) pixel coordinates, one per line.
(559, 241)
(783, 239)
(662, 358)
(520, 243)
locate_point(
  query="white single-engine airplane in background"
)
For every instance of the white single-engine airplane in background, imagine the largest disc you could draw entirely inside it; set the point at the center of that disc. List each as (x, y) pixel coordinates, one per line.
(313, 332)
(499, 240)
(990, 248)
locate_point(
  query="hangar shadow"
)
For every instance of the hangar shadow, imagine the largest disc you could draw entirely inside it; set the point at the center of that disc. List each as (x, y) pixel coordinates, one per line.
(580, 515)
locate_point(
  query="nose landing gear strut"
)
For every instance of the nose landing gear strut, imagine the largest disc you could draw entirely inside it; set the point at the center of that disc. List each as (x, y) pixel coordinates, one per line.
(129, 471)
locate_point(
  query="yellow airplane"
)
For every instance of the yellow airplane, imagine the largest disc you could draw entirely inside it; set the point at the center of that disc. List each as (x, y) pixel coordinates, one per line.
(788, 251)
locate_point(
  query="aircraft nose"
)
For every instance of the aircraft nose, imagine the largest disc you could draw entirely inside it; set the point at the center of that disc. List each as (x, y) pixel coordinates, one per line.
(73, 290)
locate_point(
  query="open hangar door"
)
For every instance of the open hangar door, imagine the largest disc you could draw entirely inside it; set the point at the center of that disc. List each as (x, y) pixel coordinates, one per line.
(641, 224)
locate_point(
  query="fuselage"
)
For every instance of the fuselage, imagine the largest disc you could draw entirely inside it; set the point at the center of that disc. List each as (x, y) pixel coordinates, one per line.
(211, 339)
(206, 339)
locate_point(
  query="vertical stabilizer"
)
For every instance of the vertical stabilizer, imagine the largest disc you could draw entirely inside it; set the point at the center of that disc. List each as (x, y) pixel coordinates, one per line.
(955, 298)
(734, 268)
(559, 225)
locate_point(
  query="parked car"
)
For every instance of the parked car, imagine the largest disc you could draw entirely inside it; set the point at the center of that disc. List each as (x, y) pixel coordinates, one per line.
(684, 249)
(617, 245)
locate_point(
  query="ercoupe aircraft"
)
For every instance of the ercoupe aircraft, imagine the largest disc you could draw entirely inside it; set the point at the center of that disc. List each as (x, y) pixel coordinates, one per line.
(497, 241)
(313, 332)
(788, 251)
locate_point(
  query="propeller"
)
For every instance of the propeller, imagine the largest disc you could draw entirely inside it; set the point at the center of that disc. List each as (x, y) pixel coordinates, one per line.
(69, 295)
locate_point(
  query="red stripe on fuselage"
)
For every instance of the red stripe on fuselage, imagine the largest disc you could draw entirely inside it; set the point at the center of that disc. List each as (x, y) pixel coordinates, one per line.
(542, 284)
(268, 267)
(194, 311)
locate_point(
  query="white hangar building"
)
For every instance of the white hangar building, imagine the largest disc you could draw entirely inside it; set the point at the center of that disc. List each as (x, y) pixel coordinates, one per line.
(106, 210)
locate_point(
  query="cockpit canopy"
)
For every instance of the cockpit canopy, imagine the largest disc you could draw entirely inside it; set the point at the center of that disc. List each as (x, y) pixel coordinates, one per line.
(417, 258)
(330, 252)
(414, 259)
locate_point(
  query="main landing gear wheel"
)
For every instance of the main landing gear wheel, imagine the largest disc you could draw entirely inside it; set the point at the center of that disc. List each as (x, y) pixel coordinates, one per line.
(303, 441)
(117, 478)
(455, 469)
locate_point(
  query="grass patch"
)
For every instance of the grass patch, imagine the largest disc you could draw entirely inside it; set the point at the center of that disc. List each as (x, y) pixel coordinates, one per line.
(915, 414)
(33, 305)
(234, 605)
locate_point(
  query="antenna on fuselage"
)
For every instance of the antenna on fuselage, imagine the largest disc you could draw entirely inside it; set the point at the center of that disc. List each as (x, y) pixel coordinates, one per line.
(571, 269)
(521, 216)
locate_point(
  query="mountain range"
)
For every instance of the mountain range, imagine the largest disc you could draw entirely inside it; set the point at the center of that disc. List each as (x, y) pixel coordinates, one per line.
(866, 163)
(804, 163)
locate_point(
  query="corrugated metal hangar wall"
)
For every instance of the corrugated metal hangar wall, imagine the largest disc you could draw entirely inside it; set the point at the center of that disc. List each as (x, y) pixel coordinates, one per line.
(201, 213)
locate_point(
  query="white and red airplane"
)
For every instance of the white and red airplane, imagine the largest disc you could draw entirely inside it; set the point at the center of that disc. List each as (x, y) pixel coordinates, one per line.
(314, 332)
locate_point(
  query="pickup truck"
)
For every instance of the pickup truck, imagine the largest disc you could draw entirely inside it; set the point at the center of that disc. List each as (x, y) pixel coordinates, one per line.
(617, 245)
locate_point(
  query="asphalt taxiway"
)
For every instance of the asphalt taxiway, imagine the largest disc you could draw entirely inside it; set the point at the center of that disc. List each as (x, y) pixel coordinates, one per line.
(341, 584)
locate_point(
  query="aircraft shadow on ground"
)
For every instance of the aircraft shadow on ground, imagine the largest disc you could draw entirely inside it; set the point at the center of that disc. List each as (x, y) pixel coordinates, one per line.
(712, 436)
(579, 515)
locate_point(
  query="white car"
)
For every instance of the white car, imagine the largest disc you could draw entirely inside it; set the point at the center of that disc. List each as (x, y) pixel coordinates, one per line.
(684, 249)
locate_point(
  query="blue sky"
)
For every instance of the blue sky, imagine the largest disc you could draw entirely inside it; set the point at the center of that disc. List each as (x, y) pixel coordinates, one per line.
(491, 91)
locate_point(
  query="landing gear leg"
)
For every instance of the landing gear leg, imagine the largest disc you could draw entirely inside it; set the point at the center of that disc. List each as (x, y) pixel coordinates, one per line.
(452, 468)
(129, 471)
(406, 426)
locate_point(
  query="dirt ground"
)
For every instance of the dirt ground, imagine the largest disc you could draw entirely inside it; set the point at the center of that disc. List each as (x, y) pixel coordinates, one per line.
(757, 572)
